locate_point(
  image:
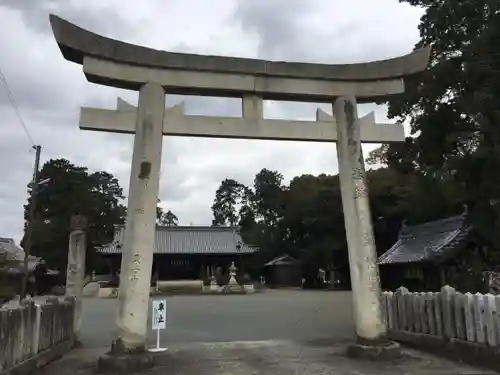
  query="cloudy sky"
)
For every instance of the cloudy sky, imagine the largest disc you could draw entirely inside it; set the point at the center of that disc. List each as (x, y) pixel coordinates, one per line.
(50, 90)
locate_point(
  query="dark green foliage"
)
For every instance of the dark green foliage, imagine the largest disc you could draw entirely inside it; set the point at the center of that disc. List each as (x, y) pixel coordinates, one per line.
(73, 190)
(305, 218)
(454, 113)
(168, 218)
(228, 197)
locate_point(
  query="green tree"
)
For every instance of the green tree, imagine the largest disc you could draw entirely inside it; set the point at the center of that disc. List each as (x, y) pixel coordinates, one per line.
(266, 206)
(73, 190)
(314, 223)
(168, 218)
(228, 197)
(305, 219)
(269, 197)
(453, 110)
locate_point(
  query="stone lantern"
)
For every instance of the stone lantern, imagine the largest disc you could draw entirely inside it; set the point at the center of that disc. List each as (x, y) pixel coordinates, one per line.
(232, 273)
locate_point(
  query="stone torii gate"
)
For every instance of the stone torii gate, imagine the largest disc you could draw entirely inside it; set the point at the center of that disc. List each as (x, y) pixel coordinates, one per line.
(154, 73)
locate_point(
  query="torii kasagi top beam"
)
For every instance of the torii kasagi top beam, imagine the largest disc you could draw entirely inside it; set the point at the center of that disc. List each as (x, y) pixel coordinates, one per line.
(114, 63)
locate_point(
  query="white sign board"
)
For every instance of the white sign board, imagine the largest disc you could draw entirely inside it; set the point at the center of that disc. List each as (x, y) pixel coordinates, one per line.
(159, 314)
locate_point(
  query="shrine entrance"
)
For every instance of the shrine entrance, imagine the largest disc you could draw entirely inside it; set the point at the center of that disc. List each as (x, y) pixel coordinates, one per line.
(155, 73)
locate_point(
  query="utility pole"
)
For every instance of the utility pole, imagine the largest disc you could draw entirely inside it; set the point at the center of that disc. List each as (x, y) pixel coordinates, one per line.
(31, 216)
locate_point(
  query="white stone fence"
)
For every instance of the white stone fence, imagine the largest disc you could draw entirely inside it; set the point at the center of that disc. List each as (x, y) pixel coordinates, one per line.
(32, 334)
(448, 313)
(463, 327)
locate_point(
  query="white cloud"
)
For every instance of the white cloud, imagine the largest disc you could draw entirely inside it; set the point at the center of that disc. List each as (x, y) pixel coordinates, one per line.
(49, 90)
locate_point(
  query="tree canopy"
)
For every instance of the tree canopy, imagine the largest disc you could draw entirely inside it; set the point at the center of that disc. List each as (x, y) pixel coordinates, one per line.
(168, 218)
(452, 109)
(451, 158)
(305, 217)
(73, 190)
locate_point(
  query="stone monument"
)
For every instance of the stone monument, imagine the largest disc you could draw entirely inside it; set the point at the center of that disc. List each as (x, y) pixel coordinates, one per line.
(75, 273)
(153, 73)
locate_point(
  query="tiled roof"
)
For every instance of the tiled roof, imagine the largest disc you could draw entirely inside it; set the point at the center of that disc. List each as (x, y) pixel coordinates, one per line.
(429, 241)
(188, 240)
(10, 249)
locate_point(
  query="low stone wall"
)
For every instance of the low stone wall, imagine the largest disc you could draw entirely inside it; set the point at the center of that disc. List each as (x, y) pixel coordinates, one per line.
(226, 289)
(463, 327)
(178, 287)
(31, 335)
(108, 293)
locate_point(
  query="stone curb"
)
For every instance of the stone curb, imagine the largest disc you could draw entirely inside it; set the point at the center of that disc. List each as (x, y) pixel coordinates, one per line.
(41, 359)
(457, 350)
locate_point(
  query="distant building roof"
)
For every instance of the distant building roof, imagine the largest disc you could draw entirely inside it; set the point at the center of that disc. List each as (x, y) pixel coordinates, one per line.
(430, 241)
(9, 248)
(281, 261)
(188, 240)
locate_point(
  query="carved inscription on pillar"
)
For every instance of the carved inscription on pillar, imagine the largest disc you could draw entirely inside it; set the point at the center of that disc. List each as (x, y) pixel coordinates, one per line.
(136, 266)
(360, 191)
(355, 152)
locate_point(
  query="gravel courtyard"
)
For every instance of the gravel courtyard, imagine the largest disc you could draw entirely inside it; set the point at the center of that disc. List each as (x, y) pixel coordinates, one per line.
(273, 315)
(272, 333)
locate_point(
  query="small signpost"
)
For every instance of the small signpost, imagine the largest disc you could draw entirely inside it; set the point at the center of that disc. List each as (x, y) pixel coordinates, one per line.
(158, 322)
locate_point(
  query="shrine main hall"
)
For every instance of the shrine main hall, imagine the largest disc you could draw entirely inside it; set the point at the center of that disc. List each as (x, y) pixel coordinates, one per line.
(185, 252)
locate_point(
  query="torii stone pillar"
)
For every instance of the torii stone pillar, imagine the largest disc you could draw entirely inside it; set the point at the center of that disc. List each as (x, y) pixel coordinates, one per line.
(365, 282)
(351, 132)
(140, 227)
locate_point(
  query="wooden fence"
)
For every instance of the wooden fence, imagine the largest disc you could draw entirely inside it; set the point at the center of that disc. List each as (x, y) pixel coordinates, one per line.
(448, 314)
(29, 329)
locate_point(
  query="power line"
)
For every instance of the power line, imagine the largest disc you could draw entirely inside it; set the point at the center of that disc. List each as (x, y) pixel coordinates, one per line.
(16, 108)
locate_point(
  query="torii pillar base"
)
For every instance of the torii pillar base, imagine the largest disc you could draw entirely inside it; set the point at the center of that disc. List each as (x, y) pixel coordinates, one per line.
(380, 350)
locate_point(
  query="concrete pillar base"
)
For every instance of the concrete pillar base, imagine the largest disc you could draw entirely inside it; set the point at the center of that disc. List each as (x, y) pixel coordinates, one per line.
(380, 350)
(126, 363)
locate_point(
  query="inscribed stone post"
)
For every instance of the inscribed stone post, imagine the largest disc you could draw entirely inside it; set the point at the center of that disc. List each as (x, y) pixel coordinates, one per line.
(391, 314)
(139, 237)
(470, 324)
(350, 222)
(489, 319)
(361, 244)
(478, 307)
(438, 313)
(410, 319)
(424, 320)
(447, 296)
(459, 313)
(383, 306)
(416, 313)
(36, 328)
(385, 310)
(429, 304)
(400, 303)
(75, 273)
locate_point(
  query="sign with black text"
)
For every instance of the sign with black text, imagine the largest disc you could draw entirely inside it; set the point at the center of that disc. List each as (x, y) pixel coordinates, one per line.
(159, 314)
